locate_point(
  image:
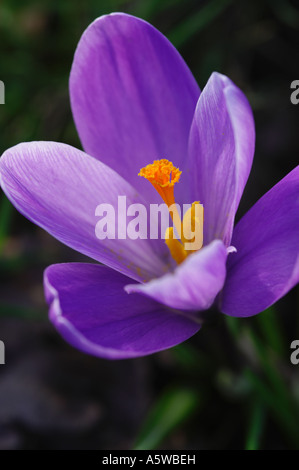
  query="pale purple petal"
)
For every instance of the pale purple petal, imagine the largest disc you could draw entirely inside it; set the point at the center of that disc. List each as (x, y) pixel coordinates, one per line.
(194, 284)
(59, 187)
(221, 150)
(266, 265)
(91, 310)
(133, 98)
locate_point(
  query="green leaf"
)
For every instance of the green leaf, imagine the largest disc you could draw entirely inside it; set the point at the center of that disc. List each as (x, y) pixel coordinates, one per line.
(6, 211)
(276, 380)
(167, 414)
(197, 22)
(11, 310)
(189, 357)
(271, 329)
(256, 426)
(273, 403)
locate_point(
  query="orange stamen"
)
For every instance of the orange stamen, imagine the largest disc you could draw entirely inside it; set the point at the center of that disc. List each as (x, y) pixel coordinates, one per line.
(163, 175)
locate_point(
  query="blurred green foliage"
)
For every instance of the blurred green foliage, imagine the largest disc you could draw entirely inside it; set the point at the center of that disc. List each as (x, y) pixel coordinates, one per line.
(169, 411)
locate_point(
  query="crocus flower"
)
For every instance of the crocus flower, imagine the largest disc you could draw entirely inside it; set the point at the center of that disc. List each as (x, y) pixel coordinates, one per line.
(134, 101)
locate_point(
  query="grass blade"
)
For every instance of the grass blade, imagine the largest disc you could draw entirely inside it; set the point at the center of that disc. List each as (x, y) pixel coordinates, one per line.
(168, 413)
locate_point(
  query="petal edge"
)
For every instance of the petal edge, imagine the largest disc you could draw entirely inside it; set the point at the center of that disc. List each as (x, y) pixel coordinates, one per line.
(266, 265)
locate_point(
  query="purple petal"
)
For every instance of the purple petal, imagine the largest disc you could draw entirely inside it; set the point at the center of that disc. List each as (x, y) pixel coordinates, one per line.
(194, 284)
(91, 310)
(133, 97)
(266, 265)
(59, 187)
(221, 151)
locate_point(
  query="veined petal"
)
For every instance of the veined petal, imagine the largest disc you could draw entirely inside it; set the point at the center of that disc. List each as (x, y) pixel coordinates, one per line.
(221, 150)
(266, 265)
(194, 284)
(91, 310)
(133, 97)
(59, 187)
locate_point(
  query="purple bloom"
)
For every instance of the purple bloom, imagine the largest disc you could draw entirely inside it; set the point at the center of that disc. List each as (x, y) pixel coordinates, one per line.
(134, 100)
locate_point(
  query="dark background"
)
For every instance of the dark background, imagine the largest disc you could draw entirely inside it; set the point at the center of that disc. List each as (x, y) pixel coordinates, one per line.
(232, 386)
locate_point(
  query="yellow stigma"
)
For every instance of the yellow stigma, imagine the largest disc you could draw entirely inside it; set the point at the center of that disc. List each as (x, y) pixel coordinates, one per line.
(162, 174)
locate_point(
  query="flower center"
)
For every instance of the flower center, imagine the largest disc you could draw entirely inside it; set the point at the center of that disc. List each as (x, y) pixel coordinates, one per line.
(163, 175)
